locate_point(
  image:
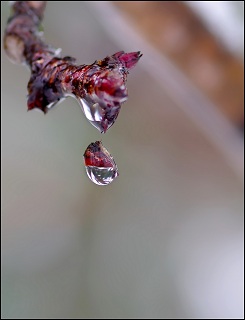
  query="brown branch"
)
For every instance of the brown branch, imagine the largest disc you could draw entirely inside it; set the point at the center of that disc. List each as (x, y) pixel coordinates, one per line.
(100, 87)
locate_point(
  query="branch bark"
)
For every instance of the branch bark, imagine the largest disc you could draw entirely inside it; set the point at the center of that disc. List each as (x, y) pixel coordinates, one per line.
(100, 88)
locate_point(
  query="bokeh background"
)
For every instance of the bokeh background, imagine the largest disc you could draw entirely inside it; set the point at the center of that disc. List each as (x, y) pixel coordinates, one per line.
(165, 239)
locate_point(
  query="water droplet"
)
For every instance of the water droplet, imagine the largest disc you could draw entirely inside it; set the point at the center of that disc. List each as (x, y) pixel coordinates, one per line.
(101, 115)
(101, 176)
(99, 164)
(55, 103)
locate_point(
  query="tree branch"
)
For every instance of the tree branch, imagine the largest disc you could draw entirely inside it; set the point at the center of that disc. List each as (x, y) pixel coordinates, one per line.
(100, 88)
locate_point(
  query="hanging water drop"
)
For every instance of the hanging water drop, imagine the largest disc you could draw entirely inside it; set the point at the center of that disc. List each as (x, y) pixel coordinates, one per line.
(101, 115)
(99, 164)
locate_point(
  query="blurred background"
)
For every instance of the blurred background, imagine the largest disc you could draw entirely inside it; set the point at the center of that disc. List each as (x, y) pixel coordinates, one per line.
(165, 239)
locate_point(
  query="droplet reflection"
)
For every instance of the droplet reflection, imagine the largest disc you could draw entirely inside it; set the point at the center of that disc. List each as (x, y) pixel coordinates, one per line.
(99, 164)
(100, 114)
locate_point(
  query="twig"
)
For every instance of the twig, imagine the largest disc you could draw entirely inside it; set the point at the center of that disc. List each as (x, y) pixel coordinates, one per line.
(99, 87)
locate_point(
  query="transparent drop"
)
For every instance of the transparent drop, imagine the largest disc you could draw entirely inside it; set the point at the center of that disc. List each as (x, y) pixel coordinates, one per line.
(101, 176)
(55, 103)
(100, 115)
(93, 112)
(99, 164)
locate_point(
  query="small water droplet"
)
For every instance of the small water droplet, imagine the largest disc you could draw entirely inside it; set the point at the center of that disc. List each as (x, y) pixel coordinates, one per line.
(55, 103)
(100, 115)
(99, 164)
(101, 176)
